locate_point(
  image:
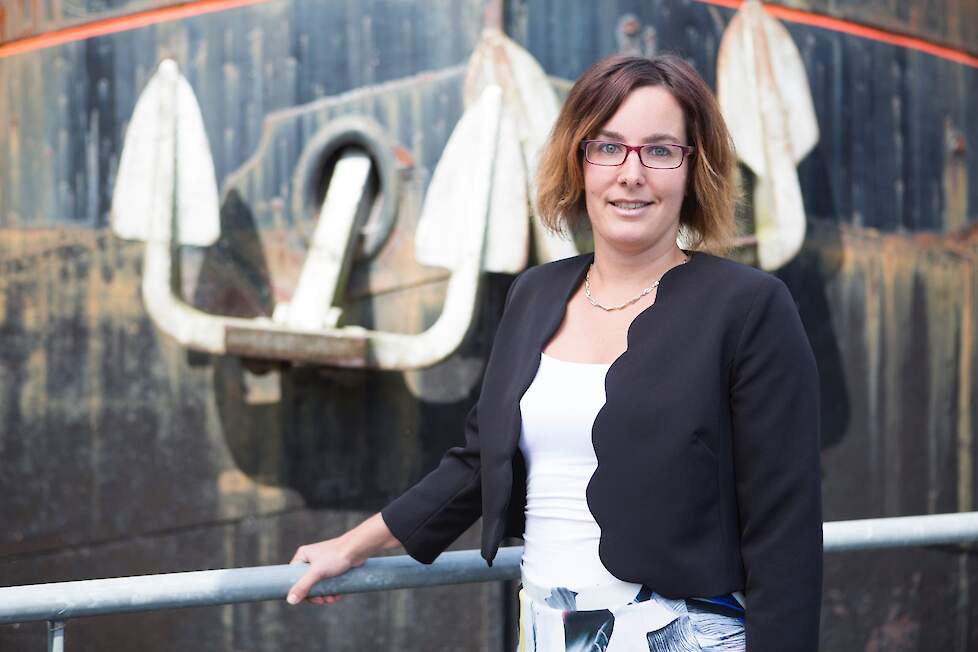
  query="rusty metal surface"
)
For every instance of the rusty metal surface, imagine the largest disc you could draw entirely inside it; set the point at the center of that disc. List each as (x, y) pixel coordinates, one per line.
(951, 22)
(23, 18)
(417, 114)
(881, 109)
(298, 347)
(121, 453)
(892, 320)
(243, 64)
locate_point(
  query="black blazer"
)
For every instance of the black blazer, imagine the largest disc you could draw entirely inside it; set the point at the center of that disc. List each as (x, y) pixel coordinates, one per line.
(708, 475)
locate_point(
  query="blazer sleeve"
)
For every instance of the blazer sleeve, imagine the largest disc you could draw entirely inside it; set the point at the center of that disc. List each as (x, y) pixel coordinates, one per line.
(775, 413)
(429, 516)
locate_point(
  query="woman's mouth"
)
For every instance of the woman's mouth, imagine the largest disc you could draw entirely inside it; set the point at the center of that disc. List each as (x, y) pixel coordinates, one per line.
(630, 207)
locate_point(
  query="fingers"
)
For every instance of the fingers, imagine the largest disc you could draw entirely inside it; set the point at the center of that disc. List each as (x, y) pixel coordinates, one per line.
(301, 588)
(297, 592)
(323, 599)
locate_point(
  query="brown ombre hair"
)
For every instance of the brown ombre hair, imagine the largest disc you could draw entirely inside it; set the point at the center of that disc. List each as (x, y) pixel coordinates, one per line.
(706, 219)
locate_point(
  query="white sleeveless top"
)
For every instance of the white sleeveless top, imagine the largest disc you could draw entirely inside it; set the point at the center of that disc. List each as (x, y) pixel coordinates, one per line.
(561, 537)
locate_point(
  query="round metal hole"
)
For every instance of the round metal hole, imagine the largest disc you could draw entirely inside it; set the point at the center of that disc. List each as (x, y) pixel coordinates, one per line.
(315, 168)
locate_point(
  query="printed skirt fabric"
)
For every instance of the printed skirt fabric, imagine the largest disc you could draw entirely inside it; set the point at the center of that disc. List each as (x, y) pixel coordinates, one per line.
(649, 622)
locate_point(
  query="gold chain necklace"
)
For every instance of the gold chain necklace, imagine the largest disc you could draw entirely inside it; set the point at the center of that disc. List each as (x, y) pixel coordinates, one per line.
(597, 304)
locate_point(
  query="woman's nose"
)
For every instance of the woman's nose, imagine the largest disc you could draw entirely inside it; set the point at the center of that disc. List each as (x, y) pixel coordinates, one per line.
(631, 172)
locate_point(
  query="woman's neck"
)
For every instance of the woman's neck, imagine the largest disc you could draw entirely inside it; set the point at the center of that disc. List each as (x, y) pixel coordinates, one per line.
(620, 274)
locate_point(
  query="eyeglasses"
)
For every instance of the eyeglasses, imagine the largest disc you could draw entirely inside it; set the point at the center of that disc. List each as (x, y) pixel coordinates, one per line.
(658, 156)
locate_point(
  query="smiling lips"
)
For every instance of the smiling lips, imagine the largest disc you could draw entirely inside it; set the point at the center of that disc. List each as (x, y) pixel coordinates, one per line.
(629, 205)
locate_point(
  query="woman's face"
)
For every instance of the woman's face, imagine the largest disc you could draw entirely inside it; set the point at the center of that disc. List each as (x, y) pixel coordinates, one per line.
(633, 208)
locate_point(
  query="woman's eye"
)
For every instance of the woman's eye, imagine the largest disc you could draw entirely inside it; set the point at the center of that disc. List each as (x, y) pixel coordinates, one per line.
(659, 151)
(609, 148)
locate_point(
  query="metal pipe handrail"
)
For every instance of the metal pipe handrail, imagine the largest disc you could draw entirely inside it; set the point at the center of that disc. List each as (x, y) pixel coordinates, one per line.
(60, 601)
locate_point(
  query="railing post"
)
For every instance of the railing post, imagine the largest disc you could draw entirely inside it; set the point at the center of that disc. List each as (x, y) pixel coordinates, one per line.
(56, 636)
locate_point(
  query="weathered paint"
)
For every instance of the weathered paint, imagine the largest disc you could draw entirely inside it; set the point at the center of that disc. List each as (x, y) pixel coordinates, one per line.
(763, 91)
(952, 23)
(167, 461)
(894, 321)
(532, 105)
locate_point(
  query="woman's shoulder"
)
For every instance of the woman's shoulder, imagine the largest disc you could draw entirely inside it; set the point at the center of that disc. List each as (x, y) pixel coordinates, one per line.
(551, 276)
(558, 269)
(716, 275)
(733, 273)
(734, 280)
(730, 291)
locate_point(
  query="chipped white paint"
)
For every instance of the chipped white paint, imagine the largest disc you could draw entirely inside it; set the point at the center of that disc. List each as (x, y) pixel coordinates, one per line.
(531, 103)
(478, 203)
(143, 204)
(508, 236)
(156, 167)
(509, 226)
(166, 126)
(463, 184)
(478, 129)
(764, 94)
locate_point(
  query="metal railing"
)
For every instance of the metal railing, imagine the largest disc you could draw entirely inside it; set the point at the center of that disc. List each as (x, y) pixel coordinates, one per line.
(57, 602)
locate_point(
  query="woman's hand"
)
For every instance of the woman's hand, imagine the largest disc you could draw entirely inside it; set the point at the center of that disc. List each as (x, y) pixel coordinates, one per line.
(334, 557)
(326, 559)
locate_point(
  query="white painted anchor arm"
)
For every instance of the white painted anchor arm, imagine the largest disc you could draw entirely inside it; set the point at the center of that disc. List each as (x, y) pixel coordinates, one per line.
(765, 98)
(529, 99)
(397, 351)
(451, 232)
(156, 179)
(459, 196)
(166, 128)
(780, 209)
(191, 328)
(328, 260)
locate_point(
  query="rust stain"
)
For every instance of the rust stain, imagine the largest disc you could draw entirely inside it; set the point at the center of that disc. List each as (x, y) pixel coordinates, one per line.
(300, 347)
(492, 16)
(112, 25)
(68, 253)
(888, 291)
(22, 19)
(872, 328)
(955, 177)
(966, 361)
(830, 23)
(403, 156)
(896, 290)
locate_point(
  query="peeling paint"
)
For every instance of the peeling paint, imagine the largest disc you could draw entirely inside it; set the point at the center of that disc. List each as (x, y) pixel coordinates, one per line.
(155, 459)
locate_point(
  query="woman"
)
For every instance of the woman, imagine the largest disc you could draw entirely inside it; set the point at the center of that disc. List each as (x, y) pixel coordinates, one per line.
(648, 420)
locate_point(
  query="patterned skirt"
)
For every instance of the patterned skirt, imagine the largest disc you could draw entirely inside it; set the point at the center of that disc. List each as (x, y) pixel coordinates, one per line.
(551, 622)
